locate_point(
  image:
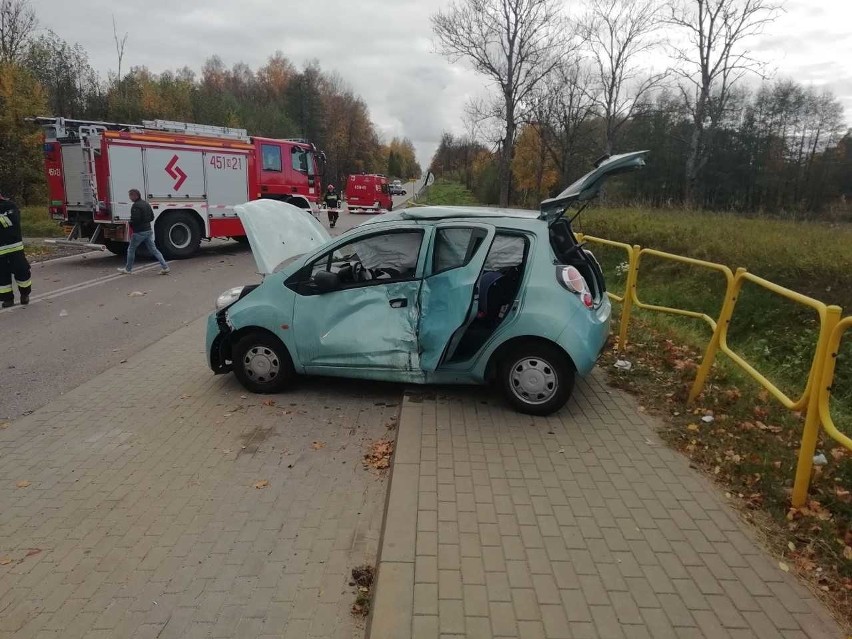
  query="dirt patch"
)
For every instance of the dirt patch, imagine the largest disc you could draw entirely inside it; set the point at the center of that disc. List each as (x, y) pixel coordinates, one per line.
(362, 580)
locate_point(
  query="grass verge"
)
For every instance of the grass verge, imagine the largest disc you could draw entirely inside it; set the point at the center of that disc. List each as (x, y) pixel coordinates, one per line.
(445, 192)
(35, 222)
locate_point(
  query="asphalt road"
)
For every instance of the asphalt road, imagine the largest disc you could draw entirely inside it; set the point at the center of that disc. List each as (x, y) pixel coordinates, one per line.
(85, 317)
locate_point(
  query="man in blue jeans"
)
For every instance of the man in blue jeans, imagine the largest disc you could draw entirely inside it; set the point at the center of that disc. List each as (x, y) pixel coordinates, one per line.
(141, 216)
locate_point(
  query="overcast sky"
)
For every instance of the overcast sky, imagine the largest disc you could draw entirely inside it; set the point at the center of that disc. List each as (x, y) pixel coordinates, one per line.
(384, 48)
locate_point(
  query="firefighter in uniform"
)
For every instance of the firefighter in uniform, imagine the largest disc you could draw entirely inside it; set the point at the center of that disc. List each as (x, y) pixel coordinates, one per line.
(13, 262)
(332, 202)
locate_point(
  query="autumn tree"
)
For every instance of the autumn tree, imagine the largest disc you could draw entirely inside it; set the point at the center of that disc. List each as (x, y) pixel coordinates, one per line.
(21, 159)
(534, 170)
(513, 43)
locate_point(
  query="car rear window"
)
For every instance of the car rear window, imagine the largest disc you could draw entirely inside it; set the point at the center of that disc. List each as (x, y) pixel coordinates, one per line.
(506, 251)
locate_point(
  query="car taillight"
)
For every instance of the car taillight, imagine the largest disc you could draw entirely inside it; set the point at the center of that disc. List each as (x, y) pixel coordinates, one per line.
(571, 279)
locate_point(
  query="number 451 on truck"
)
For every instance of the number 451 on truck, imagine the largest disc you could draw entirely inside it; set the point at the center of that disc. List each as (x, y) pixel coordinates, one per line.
(192, 175)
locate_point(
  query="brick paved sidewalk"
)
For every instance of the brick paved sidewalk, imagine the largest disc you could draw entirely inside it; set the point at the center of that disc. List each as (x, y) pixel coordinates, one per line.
(141, 518)
(580, 525)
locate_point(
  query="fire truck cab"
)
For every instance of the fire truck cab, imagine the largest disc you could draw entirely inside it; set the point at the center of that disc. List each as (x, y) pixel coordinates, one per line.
(192, 175)
(368, 193)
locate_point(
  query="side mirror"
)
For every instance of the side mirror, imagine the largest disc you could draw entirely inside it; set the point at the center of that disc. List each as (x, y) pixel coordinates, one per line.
(326, 281)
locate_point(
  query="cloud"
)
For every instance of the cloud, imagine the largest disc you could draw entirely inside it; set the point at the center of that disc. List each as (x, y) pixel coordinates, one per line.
(382, 48)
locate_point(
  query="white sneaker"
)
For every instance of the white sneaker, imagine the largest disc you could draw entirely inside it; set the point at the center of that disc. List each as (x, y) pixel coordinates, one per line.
(165, 271)
(123, 270)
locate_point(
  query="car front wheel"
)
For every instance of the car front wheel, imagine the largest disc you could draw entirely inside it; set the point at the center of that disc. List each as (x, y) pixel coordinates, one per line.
(262, 363)
(536, 379)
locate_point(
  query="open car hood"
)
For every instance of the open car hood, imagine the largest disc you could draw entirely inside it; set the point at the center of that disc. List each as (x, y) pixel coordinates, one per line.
(277, 231)
(588, 186)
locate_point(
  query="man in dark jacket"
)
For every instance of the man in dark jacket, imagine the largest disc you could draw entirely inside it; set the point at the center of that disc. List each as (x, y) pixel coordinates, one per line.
(141, 216)
(13, 262)
(332, 203)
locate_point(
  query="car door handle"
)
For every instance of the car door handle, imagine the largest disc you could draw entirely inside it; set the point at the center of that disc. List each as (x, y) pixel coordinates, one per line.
(399, 302)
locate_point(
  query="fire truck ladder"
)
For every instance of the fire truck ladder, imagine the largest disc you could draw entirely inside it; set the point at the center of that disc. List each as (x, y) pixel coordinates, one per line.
(88, 136)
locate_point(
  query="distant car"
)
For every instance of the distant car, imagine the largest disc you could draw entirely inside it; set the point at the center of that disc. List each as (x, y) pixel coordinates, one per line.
(396, 189)
(442, 295)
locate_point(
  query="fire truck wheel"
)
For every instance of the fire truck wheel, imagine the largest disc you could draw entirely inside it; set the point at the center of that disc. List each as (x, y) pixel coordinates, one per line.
(178, 235)
(116, 247)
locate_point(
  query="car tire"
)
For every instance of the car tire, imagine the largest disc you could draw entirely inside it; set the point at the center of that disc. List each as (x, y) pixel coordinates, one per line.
(116, 247)
(178, 235)
(262, 364)
(536, 378)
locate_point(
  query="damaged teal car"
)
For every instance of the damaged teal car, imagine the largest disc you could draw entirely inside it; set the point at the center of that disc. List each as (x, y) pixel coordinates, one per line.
(432, 295)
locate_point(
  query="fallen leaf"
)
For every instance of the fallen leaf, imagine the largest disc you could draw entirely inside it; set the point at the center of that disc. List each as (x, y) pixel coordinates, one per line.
(22, 484)
(5, 561)
(783, 566)
(33, 551)
(263, 483)
(380, 453)
(791, 546)
(693, 427)
(226, 451)
(269, 402)
(847, 552)
(318, 445)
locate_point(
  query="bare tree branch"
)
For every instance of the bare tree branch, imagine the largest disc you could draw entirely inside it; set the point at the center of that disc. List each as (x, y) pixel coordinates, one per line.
(714, 61)
(17, 24)
(619, 33)
(514, 44)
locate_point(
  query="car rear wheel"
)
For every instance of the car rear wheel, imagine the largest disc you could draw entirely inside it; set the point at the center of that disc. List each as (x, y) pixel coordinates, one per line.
(536, 379)
(262, 363)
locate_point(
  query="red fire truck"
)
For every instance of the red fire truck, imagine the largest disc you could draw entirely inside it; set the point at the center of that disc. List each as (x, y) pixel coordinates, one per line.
(368, 193)
(193, 175)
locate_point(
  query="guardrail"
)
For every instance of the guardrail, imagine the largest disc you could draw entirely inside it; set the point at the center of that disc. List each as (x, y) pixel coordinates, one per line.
(814, 400)
(827, 380)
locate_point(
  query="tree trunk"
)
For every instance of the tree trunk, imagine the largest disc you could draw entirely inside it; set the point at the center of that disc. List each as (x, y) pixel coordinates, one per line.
(505, 166)
(692, 164)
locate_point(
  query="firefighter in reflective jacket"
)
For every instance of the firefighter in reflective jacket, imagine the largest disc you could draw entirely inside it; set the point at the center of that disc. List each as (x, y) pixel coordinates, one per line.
(13, 262)
(332, 203)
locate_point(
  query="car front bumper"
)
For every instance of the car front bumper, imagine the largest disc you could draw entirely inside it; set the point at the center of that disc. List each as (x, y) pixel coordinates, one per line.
(218, 343)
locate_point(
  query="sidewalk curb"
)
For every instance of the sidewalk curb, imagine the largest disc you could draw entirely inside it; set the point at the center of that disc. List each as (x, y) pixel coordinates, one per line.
(393, 602)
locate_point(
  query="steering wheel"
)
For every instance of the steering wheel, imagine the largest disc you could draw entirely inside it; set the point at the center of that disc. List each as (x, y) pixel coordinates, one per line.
(359, 273)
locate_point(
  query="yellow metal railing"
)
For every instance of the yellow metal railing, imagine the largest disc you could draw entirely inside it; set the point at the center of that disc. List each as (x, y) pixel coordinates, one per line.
(814, 400)
(724, 270)
(827, 380)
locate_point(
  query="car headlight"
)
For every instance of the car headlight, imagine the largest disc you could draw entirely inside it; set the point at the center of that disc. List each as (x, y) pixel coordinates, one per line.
(229, 297)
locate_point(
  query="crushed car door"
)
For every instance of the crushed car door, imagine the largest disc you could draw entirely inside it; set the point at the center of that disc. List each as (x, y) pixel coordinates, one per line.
(448, 295)
(369, 321)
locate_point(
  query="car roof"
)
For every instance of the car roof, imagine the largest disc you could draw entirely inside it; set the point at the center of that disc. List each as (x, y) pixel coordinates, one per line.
(445, 213)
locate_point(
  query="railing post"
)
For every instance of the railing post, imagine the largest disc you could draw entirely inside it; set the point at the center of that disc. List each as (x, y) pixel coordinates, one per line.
(713, 346)
(629, 287)
(810, 432)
